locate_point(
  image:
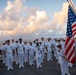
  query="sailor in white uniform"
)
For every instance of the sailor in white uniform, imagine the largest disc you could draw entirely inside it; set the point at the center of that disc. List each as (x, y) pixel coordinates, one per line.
(5, 52)
(20, 47)
(14, 49)
(49, 50)
(26, 48)
(54, 47)
(58, 42)
(38, 55)
(63, 62)
(2, 48)
(31, 54)
(43, 46)
(16, 54)
(63, 44)
(41, 50)
(9, 53)
(34, 45)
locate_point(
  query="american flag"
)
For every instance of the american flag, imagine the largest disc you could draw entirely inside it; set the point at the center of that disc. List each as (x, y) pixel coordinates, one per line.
(71, 31)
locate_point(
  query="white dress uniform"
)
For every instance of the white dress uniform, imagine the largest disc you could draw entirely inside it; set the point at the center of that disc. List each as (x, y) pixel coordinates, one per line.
(26, 48)
(55, 52)
(20, 47)
(43, 47)
(14, 49)
(16, 53)
(34, 45)
(38, 57)
(64, 64)
(41, 50)
(57, 56)
(58, 53)
(49, 51)
(9, 58)
(3, 53)
(31, 55)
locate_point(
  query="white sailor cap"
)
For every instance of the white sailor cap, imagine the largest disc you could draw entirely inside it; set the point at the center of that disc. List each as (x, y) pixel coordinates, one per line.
(58, 38)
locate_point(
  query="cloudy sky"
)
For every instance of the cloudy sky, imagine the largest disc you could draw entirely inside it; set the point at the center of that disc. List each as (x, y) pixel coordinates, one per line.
(33, 18)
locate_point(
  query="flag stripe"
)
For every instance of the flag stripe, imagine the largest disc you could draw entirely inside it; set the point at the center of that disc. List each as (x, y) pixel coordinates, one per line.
(74, 25)
(73, 60)
(74, 33)
(72, 57)
(71, 54)
(67, 39)
(73, 30)
(69, 45)
(69, 51)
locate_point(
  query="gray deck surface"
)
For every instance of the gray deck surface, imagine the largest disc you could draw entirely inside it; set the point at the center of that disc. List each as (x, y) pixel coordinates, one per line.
(49, 68)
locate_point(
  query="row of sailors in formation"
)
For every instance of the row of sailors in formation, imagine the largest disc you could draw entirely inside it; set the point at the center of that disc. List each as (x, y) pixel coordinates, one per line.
(29, 52)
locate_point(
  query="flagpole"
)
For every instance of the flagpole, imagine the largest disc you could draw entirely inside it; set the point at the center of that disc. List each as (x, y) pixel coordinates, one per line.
(72, 5)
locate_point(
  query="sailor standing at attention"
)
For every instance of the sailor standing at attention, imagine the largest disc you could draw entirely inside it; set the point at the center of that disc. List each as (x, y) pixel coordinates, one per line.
(16, 42)
(38, 55)
(41, 51)
(26, 48)
(49, 50)
(9, 53)
(20, 47)
(31, 54)
(14, 49)
(43, 46)
(5, 53)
